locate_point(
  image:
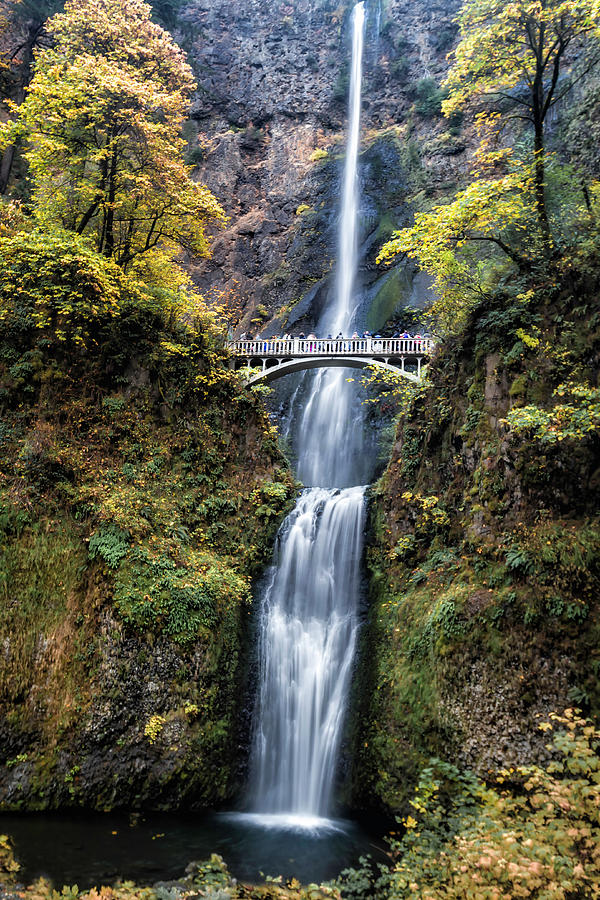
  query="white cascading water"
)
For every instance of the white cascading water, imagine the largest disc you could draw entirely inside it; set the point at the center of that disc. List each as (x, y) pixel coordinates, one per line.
(343, 311)
(331, 444)
(309, 613)
(308, 633)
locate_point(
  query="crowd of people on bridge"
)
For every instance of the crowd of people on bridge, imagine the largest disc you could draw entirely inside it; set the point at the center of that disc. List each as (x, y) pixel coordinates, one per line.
(315, 343)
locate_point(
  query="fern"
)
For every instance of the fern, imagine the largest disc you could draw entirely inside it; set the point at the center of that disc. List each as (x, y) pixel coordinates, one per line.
(110, 544)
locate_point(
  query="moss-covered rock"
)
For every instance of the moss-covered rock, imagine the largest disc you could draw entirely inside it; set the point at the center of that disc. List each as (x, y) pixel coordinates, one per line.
(484, 551)
(140, 489)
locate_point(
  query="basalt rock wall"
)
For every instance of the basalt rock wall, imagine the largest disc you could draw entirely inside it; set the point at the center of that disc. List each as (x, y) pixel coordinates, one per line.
(267, 135)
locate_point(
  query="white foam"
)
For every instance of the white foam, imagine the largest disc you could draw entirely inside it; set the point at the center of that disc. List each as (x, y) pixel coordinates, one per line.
(286, 821)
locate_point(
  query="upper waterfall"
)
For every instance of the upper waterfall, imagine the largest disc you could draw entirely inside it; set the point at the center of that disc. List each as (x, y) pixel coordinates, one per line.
(344, 307)
(331, 445)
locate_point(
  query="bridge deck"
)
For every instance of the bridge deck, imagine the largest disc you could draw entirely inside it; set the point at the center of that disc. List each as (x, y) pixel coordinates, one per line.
(385, 347)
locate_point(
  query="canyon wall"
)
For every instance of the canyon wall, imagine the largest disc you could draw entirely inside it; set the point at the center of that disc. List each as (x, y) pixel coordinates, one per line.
(267, 133)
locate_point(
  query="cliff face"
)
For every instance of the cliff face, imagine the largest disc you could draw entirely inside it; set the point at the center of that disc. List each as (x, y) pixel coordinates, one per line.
(268, 134)
(127, 495)
(140, 489)
(484, 554)
(467, 643)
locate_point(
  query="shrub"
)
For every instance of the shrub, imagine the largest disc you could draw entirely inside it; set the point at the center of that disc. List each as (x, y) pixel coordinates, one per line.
(429, 98)
(154, 727)
(55, 283)
(533, 833)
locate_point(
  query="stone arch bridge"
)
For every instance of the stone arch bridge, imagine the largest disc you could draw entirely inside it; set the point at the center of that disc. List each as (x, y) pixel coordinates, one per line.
(276, 358)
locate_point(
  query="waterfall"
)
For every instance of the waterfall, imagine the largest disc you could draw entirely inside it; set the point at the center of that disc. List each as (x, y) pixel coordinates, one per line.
(348, 232)
(309, 610)
(331, 449)
(308, 633)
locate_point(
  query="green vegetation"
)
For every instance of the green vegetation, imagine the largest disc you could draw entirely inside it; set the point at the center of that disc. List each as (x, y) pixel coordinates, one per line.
(140, 485)
(534, 832)
(522, 208)
(563, 421)
(126, 464)
(102, 124)
(485, 536)
(429, 98)
(485, 542)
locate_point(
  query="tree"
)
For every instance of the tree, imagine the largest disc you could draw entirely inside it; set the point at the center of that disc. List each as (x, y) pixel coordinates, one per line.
(21, 32)
(518, 57)
(494, 212)
(515, 61)
(102, 121)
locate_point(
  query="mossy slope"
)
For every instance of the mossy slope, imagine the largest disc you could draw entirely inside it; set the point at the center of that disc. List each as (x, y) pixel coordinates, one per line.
(484, 553)
(141, 487)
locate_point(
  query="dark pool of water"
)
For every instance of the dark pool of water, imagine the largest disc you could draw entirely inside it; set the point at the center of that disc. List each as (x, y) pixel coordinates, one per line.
(94, 849)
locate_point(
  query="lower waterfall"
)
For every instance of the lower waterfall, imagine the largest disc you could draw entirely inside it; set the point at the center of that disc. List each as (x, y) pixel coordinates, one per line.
(307, 639)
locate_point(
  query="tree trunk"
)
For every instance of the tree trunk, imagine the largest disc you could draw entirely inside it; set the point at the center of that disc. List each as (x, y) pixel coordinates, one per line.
(539, 154)
(6, 166)
(109, 233)
(33, 32)
(586, 197)
(540, 186)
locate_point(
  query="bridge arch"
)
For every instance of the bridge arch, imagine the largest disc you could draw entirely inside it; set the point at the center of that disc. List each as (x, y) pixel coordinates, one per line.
(288, 366)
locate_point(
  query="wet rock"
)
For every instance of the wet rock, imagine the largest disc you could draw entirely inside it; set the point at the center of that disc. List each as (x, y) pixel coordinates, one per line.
(272, 91)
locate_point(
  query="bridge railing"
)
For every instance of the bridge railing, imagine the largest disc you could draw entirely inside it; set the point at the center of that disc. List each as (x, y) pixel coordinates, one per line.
(337, 347)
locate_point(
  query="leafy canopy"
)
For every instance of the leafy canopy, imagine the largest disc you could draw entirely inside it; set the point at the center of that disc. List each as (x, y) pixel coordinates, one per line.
(57, 287)
(491, 211)
(57, 291)
(517, 51)
(515, 61)
(102, 122)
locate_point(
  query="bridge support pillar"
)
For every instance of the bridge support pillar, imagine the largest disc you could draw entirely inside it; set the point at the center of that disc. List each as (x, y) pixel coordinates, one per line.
(419, 366)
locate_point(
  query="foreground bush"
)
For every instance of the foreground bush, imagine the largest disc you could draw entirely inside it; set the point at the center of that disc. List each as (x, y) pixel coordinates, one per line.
(534, 833)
